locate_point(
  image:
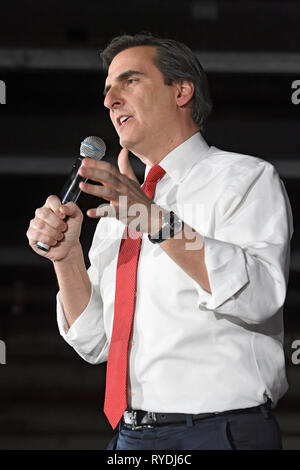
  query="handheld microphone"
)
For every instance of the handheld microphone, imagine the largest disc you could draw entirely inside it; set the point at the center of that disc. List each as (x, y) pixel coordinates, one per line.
(91, 147)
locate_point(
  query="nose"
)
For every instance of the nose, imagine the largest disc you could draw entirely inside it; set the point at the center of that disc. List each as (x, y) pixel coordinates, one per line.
(112, 98)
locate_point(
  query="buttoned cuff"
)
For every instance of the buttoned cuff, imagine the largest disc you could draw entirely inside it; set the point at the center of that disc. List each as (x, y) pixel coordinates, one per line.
(227, 274)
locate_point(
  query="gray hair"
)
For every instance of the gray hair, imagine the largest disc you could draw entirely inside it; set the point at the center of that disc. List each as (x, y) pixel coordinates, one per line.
(175, 61)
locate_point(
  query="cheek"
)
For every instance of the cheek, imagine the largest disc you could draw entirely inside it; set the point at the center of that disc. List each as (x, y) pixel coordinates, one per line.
(158, 113)
(162, 103)
(152, 109)
(111, 115)
(113, 123)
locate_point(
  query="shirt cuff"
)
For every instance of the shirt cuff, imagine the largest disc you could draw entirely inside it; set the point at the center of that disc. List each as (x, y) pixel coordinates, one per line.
(227, 274)
(84, 333)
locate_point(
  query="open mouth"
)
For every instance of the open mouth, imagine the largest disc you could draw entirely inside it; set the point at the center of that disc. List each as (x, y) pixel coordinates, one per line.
(122, 120)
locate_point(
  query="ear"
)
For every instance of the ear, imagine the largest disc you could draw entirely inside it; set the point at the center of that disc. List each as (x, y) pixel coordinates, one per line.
(184, 92)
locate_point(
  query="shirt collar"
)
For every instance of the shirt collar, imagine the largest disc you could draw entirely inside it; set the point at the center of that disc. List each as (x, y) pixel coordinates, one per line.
(179, 161)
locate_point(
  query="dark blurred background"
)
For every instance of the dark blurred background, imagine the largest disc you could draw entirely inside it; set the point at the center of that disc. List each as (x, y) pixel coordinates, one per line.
(49, 60)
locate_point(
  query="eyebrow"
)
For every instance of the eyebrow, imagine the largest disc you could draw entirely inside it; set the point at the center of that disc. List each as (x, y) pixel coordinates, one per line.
(121, 77)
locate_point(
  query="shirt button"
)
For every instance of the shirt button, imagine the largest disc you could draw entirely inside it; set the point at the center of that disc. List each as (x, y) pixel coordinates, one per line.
(132, 342)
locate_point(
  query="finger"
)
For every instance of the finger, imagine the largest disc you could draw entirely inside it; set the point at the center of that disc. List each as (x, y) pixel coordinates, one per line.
(39, 226)
(104, 192)
(53, 202)
(92, 163)
(44, 236)
(104, 210)
(102, 176)
(47, 216)
(70, 209)
(125, 166)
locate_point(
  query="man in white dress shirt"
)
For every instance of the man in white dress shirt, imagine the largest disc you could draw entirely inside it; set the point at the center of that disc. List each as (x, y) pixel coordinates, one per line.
(205, 360)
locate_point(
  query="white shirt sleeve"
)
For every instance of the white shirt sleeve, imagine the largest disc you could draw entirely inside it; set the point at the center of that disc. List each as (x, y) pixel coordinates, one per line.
(87, 334)
(248, 260)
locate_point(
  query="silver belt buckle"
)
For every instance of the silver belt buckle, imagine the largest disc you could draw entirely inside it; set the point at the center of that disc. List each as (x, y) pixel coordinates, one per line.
(134, 425)
(151, 414)
(153, 417)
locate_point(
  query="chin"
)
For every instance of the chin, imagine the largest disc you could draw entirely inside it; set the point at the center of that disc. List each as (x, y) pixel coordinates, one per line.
(124, 142)
(127, 143)
(134, 145)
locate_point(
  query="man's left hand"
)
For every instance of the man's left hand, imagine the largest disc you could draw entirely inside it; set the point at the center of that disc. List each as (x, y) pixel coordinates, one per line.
(121, 188)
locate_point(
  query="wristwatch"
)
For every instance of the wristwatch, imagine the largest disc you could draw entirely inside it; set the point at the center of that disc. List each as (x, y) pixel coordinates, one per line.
(170, 226)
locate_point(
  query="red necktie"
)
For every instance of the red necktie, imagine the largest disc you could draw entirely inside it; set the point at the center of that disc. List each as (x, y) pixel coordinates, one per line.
(117, 363)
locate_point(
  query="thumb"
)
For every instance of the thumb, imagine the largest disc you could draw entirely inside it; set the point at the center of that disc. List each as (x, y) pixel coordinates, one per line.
(69, 210)
(124, 165)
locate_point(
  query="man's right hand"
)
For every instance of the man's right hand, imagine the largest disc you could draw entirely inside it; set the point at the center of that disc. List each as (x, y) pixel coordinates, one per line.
(49, 228)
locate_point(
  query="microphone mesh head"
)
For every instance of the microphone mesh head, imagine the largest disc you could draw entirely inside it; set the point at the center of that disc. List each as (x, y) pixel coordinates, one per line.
(93, 147)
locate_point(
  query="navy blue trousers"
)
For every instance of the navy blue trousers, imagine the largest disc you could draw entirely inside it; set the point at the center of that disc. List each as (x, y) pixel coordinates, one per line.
(236, 431)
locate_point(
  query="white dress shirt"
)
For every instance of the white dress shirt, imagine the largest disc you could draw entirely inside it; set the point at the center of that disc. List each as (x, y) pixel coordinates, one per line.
(191, 351)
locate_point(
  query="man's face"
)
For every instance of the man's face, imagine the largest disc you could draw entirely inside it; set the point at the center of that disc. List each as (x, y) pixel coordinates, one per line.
(142, 108)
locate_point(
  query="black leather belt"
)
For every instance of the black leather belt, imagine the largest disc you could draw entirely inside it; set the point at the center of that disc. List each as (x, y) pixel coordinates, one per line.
(136, 419)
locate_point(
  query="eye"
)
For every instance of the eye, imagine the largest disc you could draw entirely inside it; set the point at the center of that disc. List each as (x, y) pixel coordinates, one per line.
(132, 80)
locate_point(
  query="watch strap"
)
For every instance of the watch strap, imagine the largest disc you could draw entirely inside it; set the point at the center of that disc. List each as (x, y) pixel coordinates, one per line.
(170, 226)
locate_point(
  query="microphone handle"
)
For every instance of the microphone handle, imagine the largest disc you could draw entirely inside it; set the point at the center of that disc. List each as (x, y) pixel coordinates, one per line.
(70, 192)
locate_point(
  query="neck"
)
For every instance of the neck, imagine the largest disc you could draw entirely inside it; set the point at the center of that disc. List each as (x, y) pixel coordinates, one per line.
(154, 155)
